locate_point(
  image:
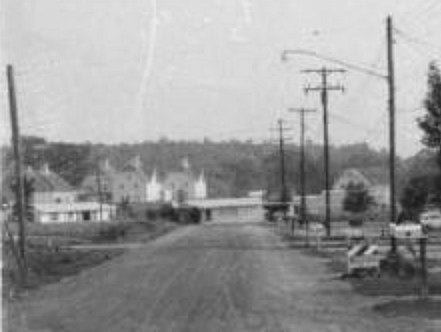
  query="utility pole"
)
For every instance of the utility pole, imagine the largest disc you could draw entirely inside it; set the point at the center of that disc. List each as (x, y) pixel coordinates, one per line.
(20, 201)
(284, 192)
(305, 222)
(283, 186)
(391, 86)
(98, 184)
(324, 89)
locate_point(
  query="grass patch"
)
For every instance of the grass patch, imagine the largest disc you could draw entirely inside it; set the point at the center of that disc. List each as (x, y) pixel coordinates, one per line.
(429, 309)
(79, 230)
(386, 284)
(50, 259)
(48, 266)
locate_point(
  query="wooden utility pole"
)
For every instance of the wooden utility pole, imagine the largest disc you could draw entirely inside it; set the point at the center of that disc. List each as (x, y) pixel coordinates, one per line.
(281, 129)
(391, 86)
(424, 284)
(20, 201)
(98, 184)
(305, 222)
(324, 89)
(284, 190)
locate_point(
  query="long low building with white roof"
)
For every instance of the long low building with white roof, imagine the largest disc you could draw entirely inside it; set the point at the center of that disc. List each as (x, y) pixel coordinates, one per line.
(73, 212)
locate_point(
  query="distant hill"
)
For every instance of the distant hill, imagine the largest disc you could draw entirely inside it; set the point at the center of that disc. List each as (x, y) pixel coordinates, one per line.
(232, 167)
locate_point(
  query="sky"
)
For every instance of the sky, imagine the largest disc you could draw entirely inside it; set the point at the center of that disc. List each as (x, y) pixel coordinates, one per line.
(115, 71)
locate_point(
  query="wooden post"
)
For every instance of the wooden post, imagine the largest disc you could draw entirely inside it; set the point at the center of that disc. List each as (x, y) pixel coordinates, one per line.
(20, 201)
(424, 285)
(391, 91)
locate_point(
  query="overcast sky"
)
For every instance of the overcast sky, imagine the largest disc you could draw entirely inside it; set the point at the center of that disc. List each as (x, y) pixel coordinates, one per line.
(132, 70)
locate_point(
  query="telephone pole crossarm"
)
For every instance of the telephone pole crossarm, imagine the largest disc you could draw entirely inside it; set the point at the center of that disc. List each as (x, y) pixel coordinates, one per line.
(341, 88)
(324, 89)
(324, 70)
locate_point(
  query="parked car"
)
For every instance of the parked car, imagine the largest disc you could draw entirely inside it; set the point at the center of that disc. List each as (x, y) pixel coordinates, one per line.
(431, 219)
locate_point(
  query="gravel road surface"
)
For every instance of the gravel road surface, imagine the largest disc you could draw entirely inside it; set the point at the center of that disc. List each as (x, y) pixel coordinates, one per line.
(212, 277)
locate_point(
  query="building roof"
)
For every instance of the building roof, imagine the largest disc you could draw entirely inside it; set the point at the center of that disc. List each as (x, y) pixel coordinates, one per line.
(376, 175)
(134, 164)
(90, 182)
(43, 180)
(105, 167)
(179, 178)
(47, 181)
(225, 202)
(71, 207)
(138, 174)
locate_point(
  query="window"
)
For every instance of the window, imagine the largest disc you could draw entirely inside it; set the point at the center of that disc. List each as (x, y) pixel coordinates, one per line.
(53, 216)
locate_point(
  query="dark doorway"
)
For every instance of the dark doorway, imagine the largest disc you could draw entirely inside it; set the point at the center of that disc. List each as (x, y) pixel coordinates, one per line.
(86, 215)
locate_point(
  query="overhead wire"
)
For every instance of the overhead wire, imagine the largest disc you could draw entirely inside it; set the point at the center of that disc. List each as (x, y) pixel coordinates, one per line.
(413, 40)
(419, 10)
(349, 65)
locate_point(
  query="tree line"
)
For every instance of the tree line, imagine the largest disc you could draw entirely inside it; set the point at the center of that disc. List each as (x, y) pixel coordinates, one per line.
(232, 168)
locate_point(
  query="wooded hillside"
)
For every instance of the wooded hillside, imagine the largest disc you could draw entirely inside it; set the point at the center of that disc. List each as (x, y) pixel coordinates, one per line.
(232, 168)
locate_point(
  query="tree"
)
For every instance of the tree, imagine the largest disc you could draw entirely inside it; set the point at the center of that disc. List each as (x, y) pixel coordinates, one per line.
(357, 200)
(419, 192)
(415, 195)
(430, 123)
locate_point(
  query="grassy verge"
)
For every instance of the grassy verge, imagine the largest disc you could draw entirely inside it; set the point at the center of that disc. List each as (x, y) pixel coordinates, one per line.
(387, 284)
(47, 266)
(404, 290)
(430, 309)
(50, 259)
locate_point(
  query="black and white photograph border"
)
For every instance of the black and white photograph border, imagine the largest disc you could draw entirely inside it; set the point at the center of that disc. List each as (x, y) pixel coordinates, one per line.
(220, 165)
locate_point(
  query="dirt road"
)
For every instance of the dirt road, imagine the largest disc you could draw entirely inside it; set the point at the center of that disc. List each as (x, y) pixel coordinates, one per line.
(217, 277)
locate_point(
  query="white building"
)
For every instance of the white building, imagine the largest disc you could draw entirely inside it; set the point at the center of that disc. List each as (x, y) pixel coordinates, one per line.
(154, 189)
(200, 187)
(73, 212)
(133, 185)
(242, 209)
(177, 186)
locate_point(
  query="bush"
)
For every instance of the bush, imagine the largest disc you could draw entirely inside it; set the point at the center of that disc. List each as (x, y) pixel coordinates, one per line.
(113, 232)
(167, 211)
(152, 214)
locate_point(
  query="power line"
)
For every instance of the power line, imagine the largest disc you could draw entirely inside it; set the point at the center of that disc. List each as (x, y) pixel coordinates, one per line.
(417, 40)
(343, 63)
(419, 9)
